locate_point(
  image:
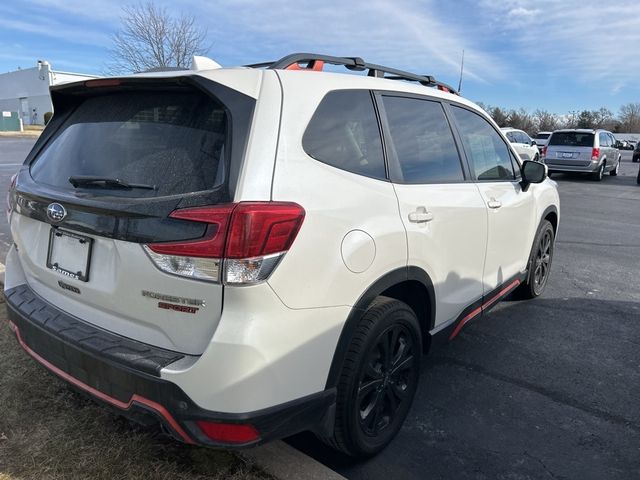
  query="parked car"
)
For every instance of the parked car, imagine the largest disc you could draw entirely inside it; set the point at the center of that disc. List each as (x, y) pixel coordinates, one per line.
(522, 144)
(191, 248)
(582, 150)
(541, 140)
(625, 145)
(636, 153)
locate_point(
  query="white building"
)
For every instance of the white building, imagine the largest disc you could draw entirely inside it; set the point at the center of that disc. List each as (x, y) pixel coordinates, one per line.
(27, 91)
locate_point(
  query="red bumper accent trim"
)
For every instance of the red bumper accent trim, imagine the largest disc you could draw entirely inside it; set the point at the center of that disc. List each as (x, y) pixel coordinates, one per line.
(156, 407)
(483, 307)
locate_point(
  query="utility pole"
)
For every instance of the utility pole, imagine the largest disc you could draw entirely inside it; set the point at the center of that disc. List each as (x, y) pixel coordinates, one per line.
(461, 70)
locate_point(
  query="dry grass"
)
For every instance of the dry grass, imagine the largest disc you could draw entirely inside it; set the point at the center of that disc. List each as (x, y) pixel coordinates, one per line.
(48, 431)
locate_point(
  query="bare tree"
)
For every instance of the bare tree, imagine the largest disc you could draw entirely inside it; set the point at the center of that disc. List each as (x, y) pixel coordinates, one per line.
(522, 120)
(630, 118)
(151, 38)
(545, 121)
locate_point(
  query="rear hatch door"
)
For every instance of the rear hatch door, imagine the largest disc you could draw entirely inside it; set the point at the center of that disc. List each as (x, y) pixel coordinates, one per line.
(570, 148)
(116, 160)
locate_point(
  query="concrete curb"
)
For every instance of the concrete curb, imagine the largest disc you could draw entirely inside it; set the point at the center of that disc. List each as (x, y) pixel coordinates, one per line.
(287, 463)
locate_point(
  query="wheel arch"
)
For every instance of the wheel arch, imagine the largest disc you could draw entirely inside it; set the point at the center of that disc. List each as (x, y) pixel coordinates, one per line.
(550, 214)
(411, 285)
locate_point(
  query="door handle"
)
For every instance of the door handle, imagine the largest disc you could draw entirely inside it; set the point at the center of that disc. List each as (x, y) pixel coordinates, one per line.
(420, 215)
(493, 203)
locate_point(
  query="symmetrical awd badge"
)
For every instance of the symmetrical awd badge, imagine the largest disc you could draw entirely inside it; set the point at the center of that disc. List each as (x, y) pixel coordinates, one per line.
(56, 212)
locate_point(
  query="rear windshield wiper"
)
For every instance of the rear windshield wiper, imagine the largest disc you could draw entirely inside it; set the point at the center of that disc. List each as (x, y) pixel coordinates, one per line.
(85, 180)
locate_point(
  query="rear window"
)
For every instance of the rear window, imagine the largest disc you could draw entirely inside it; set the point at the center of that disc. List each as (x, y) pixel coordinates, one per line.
(572, 139)
(344, 133)
(543, 136)
(173, 141)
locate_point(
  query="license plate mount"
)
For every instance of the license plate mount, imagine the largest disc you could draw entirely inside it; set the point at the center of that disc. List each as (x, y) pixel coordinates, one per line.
(69, 254)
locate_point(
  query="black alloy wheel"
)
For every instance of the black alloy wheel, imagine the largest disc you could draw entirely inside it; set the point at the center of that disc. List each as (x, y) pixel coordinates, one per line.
(379, 378)
(384, 382)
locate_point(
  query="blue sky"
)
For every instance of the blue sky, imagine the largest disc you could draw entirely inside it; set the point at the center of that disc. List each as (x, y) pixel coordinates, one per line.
(554, 55)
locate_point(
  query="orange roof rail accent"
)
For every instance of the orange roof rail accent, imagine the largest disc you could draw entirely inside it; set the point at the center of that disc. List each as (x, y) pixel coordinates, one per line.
(313, 65)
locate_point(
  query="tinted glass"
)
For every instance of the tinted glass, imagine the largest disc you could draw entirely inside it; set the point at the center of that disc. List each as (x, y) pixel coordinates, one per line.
(489, 155)
(423, 141)
(572, 139)
(173, 141)
(344, 133)
(543, 136)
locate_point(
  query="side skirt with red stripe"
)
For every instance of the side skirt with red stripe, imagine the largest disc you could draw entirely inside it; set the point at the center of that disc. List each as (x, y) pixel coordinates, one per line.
(487, 303)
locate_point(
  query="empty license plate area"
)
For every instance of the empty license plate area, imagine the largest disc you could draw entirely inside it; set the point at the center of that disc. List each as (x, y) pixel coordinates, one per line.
(69, 254)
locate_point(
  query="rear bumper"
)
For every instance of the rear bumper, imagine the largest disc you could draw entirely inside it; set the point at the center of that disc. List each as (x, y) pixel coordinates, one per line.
(563, 167)
(129, 379)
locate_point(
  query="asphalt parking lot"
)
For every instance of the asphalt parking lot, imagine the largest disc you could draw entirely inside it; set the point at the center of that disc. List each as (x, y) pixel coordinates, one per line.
(541, 389)
(547, 388)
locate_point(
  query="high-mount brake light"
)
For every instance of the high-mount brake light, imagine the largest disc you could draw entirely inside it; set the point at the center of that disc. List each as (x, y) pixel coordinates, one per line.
(248, 239)
(595, 154)
(106, 82)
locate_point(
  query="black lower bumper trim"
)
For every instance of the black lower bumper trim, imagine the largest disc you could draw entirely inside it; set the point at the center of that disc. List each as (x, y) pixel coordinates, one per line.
(136, 392)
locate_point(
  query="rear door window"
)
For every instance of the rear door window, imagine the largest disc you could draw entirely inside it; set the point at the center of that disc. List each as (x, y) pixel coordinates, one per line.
(422, 141)
(173, 141)
(489, 155)
(344, 133)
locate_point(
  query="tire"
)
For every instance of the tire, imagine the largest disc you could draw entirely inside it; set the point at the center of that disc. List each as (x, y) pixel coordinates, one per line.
(597, 176)
(376, 389)
(538, 267)
(536, 158)
(614, 172)
(638, 179)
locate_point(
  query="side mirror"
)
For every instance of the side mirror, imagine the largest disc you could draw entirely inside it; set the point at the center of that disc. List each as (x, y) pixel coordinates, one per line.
(618, 144)
(533, 172)
(533, 143)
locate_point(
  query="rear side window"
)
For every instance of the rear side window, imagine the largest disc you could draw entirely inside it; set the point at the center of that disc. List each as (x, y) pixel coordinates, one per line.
(174, 141)
(489, 155)
(344, 133)
(422, 140)
(571, 139)
(604, 140)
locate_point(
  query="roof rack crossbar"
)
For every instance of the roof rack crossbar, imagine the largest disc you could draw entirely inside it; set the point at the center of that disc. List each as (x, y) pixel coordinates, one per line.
(356, 64)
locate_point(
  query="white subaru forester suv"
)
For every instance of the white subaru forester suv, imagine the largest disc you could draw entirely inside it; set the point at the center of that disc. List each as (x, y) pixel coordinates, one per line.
(245, 253)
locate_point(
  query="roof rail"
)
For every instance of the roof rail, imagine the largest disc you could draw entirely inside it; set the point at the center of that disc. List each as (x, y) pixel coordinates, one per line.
(316, 62)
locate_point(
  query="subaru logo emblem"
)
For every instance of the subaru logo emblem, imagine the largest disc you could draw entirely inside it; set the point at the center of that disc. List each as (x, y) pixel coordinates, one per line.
(56, 212)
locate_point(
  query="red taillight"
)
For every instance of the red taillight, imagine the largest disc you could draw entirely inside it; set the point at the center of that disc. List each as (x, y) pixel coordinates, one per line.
(243, 230)
(259, 229)
(595, 154)
(544, 151)
(250, 237)
(212, 246)
(228, 432)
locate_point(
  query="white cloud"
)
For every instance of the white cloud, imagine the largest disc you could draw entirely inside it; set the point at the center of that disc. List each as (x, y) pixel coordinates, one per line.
(410, 35)
(586, 40)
